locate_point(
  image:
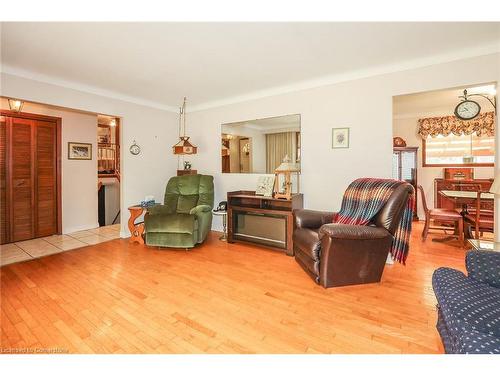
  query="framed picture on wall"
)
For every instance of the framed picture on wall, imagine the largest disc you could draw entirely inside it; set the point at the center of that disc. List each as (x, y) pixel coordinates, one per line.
(340, 138)
(79, 151)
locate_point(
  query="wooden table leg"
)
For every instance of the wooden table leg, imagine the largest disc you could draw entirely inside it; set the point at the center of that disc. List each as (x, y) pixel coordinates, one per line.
(136, 230)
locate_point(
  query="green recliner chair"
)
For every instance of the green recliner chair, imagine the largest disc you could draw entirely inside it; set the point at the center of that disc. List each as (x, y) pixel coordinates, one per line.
(185, 218)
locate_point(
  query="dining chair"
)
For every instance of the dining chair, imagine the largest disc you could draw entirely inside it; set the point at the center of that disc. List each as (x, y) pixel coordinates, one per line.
(467, 186)
(479, 218)
(441, 215)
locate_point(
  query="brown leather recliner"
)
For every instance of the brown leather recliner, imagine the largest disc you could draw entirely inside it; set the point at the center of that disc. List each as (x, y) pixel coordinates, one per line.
(340, 254)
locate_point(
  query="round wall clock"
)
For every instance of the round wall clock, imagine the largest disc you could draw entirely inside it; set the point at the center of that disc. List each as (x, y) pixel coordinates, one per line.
(467, 110)
(135, 149)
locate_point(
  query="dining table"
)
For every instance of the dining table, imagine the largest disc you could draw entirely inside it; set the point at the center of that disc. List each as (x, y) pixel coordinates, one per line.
(464, 198)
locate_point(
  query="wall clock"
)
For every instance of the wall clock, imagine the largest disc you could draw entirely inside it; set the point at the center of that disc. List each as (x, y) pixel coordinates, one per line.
(467, 109)
(135, 149)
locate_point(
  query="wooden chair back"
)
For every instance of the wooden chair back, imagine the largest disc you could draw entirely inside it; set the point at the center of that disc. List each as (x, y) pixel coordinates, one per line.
(424, 201)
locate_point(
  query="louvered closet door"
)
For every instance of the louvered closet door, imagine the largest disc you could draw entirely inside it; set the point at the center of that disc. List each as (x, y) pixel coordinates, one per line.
(4, 229)
(21, 189)
(28, 178)
(45, 180)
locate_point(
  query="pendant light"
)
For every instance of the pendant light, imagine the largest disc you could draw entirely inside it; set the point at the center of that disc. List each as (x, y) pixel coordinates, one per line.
(183, 147)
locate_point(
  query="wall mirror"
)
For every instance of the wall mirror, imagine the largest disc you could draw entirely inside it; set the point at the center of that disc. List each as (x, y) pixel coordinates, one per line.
(259, 146)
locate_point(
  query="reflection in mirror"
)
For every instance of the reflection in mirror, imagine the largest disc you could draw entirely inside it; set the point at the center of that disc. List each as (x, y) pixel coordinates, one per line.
(259, 146)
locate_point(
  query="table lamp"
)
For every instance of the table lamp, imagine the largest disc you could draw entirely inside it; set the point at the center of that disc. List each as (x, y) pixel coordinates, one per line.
(286, 168)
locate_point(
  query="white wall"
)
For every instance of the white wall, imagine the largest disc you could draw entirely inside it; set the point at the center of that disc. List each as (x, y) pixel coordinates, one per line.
(406, 128)
(79, 177)
(364, 105)
(154, 130)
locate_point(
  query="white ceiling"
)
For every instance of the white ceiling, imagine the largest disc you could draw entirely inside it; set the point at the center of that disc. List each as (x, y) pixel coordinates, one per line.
(216, 63)
(440, 102)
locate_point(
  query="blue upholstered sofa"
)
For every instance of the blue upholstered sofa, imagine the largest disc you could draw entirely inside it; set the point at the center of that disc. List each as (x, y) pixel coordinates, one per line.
(469, 306)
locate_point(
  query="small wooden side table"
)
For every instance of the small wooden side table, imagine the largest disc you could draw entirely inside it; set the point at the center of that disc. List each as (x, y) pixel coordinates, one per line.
(137, 229)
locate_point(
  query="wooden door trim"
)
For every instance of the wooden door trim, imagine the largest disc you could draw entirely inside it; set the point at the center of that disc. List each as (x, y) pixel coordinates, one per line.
(58, 122)
(34, 179)
(8, 176)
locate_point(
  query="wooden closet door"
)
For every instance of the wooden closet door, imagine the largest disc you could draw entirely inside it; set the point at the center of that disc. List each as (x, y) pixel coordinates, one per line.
(45, 182)
(4, 227)
(21, 170)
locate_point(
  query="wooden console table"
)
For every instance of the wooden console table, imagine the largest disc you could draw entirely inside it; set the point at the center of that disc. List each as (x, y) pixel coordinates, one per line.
(262, 220)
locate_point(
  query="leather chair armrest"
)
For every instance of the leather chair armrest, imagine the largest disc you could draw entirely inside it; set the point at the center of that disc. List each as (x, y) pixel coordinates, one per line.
(201, 208)
(352, 254)
(312, 219)
(353, 232)
(158, 209)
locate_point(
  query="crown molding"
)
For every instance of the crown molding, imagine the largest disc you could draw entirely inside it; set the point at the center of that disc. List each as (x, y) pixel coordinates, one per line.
(7, 69)
(477, 51)
(482, 50)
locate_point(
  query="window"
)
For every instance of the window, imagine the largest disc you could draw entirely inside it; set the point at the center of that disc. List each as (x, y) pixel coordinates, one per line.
(453, 150)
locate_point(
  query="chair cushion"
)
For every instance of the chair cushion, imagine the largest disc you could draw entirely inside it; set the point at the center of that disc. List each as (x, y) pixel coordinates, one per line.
(467, 304)
(171, 223)
(442, 212)
(308, 242)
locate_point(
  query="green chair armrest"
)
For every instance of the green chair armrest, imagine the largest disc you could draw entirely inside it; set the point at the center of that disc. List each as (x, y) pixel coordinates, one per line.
(159, 209)
(199, 209)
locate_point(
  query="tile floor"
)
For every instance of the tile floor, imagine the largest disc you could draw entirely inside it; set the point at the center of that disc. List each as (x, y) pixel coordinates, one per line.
(39, 247)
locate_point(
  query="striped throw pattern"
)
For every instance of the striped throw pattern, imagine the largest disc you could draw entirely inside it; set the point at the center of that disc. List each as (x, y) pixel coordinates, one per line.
(363, 200)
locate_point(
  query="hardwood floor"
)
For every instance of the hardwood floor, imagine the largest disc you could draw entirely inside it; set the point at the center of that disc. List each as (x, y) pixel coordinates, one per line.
(117, 297)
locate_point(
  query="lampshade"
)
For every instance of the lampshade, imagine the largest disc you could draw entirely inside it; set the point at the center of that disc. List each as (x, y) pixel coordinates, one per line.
(495, 187)
(16, 105)
(287, 165)
(290, 167)
(184, 147)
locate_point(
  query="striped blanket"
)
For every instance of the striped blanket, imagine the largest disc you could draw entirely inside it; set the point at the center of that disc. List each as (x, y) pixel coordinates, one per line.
(362, 201)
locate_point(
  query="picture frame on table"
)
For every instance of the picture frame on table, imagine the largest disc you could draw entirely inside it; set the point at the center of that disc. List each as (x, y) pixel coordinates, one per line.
(265, 185)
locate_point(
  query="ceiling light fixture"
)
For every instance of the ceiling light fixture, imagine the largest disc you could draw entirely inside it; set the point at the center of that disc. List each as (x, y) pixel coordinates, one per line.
(16, 105)
(183, 147)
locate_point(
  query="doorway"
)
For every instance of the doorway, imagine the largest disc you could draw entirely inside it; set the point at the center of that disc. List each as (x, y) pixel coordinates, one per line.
(244, 148)
(443, 150)
(108, 170)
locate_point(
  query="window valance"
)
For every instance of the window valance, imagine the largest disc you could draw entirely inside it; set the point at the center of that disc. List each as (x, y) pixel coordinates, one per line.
(484, 124)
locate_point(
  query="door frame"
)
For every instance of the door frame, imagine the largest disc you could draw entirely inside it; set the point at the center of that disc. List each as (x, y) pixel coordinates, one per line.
(58, 121)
